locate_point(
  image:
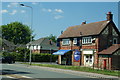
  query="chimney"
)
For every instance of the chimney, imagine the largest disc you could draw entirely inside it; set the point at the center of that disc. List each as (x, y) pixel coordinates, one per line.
(109, 16)
(84, 22)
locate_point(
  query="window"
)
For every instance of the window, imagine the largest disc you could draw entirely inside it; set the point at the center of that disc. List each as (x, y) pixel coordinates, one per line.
(75, 41)
(114, 40)
(35, 47)
(38, 47)
(86, 40)
(66, 42)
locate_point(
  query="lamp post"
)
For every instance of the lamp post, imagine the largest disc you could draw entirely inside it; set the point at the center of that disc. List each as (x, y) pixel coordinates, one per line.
(31, 29)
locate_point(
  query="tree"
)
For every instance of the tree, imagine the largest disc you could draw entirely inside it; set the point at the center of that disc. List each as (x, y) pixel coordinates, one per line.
(53, 38)
(17, 32)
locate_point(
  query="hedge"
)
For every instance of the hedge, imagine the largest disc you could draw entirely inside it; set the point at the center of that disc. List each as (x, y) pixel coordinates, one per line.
(20, 54)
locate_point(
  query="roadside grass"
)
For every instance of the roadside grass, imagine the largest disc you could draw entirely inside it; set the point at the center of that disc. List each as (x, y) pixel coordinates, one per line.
(79, 68)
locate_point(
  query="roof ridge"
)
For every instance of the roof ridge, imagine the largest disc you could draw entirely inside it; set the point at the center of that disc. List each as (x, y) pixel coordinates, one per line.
(87, 23)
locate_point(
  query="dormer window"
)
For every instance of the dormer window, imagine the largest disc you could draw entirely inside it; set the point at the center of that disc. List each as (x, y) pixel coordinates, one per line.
(86, 40)
(65, 41)
(75, 41)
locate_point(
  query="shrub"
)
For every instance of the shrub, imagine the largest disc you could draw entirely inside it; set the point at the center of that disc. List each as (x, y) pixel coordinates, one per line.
(22, 54)
(43, 57)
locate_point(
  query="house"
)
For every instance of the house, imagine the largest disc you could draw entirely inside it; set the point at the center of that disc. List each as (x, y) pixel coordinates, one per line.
(92, 45)
(42, 45)
(6, 45)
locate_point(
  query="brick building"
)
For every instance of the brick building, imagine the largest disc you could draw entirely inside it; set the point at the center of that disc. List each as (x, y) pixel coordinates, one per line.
(87, 44)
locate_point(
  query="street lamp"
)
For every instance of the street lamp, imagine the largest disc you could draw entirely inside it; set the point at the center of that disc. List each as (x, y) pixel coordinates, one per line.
(31, 29)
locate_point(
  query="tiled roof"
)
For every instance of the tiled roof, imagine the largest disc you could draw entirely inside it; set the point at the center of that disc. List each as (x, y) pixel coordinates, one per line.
(111, 49)
(8, 43)
(45, 43)
(36, 42)
(84, 29)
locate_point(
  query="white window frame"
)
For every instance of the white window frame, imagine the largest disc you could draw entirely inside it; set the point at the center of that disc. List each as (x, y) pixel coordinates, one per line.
(35, 47)
(86, 40)
(39, 47)
(116, 40)
(75, 41)
(67, 42)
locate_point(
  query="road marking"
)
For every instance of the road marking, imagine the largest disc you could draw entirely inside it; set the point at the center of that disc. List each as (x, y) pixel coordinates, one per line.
(25, 77)
(9, 77)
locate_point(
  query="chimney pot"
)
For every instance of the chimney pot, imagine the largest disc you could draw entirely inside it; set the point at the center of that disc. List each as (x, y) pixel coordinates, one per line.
(109, 16)
(109, 12)
(84, 22)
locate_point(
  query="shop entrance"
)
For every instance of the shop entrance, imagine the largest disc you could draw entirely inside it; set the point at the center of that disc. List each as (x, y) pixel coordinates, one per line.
(66, 59)
(88, 60)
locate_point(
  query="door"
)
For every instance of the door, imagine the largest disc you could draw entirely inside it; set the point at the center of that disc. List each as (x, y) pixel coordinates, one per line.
(88, 61)
(104, 63)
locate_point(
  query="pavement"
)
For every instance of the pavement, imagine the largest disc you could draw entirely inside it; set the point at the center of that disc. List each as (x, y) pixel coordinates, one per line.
(94, 75)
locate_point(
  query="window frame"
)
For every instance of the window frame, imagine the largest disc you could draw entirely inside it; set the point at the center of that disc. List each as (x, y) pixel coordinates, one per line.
(75, 41)
(86, 40)
(63, 43)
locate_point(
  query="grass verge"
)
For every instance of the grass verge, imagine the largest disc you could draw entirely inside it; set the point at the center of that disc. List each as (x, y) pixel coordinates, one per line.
(79, 68)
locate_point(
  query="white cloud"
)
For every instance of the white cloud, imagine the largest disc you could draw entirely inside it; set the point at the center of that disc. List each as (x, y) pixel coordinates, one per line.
(13, 4)
(34, 3)
(54, 11)
(49, 10)
(8, 6)
(4, 11)
(13, 12)
(58, 17)
(59, 10)
(23, 11)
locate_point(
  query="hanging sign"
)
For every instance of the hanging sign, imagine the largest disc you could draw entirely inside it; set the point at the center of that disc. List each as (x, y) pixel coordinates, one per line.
(76, 56)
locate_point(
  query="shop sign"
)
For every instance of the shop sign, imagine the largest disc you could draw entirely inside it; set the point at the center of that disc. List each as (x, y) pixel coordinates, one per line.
(76, 56)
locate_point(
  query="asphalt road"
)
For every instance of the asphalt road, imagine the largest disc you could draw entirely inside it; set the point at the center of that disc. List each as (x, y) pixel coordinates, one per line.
(16, 71)
(25, 72)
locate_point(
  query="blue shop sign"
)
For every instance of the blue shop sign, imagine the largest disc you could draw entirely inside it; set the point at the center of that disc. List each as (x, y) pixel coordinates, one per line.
(77, 56)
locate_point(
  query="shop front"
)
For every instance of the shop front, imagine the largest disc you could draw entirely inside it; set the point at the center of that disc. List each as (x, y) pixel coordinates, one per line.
(76, 58)
(65, 57)
(88, 57)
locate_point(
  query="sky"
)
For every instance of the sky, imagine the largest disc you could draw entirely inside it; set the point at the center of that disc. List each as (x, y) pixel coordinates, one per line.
(54, 17)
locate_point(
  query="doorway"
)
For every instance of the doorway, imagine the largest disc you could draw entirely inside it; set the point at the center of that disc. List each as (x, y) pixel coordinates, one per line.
(88, 60)
(105, 63)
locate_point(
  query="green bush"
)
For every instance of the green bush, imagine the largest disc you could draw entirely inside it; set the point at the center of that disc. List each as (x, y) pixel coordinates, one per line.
(43, 57)
(11, 54)
(22, 54)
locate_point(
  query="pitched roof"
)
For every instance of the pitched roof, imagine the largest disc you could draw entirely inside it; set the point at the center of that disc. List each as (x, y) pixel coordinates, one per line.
(111, 49)
(8, 43)
(85, 29)
(36, 42)
(44, 43)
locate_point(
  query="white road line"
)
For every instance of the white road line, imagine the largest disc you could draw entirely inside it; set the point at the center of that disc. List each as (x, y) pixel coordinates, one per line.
(9, 77)
(26, 77)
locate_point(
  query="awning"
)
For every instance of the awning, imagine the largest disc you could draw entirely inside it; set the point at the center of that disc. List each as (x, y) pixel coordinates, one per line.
(61, 52)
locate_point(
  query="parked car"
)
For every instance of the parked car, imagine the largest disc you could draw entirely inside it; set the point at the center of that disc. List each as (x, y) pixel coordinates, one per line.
(7, 59)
